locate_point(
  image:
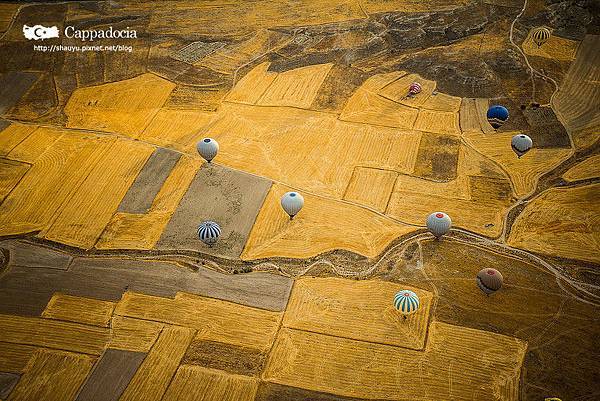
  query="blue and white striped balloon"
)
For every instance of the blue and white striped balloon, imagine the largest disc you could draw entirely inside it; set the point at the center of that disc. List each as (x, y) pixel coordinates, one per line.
(406, 301)
(209, 232)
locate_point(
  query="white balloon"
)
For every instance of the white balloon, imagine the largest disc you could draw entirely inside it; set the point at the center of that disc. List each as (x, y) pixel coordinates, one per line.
(438, 223)
(521, 144)
(208, 148)
(292, 202)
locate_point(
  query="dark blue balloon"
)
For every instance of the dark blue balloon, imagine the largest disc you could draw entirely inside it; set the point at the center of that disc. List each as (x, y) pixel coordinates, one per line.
(497, 115)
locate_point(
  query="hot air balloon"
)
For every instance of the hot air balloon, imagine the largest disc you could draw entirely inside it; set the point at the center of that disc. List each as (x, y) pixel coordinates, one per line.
(540, 35)
(438, 224)
(292, 202)
(497, 115)
(489, 280)
(521, 144)
(406, 302)
(208, 148)
(209, 232)
(414, 88)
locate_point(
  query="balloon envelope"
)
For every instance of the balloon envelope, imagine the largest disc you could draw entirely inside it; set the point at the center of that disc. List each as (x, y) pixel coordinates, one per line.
(208, 148)
(438, 223)
(209, 232)
(489, 280)
(292, 202)
(497, 115)
(540, 35)
(414, 88)
(406, 302)
(521, 144)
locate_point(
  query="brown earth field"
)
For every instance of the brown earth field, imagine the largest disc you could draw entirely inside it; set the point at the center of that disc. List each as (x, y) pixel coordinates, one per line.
(107, 293)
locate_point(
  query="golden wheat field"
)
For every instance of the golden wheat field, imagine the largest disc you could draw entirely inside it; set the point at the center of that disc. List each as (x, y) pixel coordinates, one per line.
(150, 248)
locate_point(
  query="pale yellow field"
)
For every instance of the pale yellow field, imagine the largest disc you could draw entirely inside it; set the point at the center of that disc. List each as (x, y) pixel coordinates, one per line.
(413, 198)
(11, 173)
(524, 172)
(53, 334)
(456, 364)
(469, 116)
(359, 310)
(322, 225)
(12, 135)
(91, 207)
(55, 176)
(124, 107)
(176, 128)
(576, 103)
(366, 106)
(52, 376)
(296, 88)
(558, 219)
(229, 58)
(443, 102)
(194, 383)
(142, 231)
(442, 122)
(556, 48)
(380, 182)
(133, 334)
(397, 90)
(214, 319)
(482, 106)
(251, 87)
(14, 357)
(32, 147)
(266, 141)
(79, 310)
(154, 375)
(589, 168)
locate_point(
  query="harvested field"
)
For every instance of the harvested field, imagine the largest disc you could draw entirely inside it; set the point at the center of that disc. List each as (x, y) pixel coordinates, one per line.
(56, 176)
(79, 310)
(53, 334)
(556, 48)
(176, 128)
(14, 85)
(251, 87)
(52, 376)
(36, 143)
(331, 148)
(579, 96)
(125, 107)
(442, 122)
(442, 102)
(133, 334)
(12, 135)
(7, 11)
(397, 90)
(154, 374)
(142, 231)
(322, 225)
(381, 181)
(359, 310)
(215, 320)
(469, 116)
(437, 158)
(348, 367)
(296, 88)
(11, 173)
(14, 357)
(230, 358)
(589, 168)
(524, 172)
(559, 218)
(90, 208)
(193, 383)
(374, 6)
